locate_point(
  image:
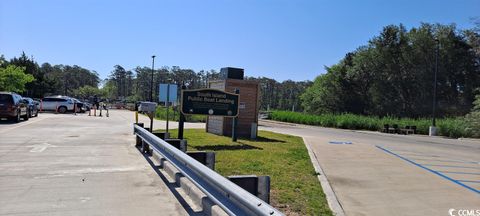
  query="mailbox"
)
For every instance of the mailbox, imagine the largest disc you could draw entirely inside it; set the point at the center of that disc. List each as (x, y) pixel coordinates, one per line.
(148, 107)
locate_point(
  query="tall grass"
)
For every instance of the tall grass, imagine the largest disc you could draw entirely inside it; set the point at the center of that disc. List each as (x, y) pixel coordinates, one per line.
(450, 127)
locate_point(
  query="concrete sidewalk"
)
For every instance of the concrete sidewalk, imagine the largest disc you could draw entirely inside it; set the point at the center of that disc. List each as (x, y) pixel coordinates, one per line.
(78, 165)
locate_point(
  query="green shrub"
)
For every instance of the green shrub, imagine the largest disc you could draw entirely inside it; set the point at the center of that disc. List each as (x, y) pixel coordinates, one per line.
(473, 124)
(450, 127)
(473, 119)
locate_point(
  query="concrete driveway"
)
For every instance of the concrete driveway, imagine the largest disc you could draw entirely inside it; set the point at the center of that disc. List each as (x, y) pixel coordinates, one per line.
(383, 174)
(61, 164)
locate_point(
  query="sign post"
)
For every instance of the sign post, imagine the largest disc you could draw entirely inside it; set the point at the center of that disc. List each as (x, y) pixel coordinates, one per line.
(167, 94)
(168, 102)
(235, 122)
(181, 120)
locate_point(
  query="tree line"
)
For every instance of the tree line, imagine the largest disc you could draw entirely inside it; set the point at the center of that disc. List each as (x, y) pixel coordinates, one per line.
(126, 85)
(134, 85)
(46, 79)
(393, 75)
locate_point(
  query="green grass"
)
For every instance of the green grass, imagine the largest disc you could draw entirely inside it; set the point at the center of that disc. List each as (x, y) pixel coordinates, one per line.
(295, 188)
(161, 114)
(450, 127)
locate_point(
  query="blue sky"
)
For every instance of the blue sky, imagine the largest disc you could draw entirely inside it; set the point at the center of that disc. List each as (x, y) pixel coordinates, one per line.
(281, 39)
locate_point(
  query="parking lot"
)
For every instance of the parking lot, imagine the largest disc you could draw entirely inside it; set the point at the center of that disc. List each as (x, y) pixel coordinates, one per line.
(65, 164)
(62, 164)
(384, 174)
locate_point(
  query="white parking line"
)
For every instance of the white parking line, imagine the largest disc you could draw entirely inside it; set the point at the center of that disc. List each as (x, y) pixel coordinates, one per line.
(40, 147)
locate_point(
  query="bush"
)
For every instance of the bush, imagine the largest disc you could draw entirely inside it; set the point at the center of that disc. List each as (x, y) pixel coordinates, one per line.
(450, 127)
(473, 124)
(473, 119)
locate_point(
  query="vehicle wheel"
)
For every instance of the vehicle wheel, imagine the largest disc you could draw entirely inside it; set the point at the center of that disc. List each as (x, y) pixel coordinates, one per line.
(17, 119)
(36, 113)
(62, 109)
(29, 114)
(25, 118)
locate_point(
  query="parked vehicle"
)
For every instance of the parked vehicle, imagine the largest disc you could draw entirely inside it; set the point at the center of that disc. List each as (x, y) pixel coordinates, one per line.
(13, 107)
(87, 105)
(80, 105)
(33, 107)
(59, 103)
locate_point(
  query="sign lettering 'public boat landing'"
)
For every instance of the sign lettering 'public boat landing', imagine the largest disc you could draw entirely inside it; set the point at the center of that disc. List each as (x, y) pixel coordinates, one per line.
(209, 102)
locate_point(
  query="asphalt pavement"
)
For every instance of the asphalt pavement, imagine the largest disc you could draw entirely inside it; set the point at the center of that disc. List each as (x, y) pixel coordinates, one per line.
(62, 164)
(372, 173)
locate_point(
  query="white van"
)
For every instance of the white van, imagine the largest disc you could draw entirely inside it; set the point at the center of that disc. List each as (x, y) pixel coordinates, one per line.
(61, 104)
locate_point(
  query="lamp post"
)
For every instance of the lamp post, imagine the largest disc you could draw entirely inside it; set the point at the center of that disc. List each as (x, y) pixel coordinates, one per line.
(151, 81)
(433, 130)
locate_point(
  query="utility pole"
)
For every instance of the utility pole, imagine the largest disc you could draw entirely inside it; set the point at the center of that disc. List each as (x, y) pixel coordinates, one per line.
(151, 82)
(433, 130)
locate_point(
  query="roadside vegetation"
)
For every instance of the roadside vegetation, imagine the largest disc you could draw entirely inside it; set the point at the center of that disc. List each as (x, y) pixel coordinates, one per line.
(295, 188)
(473, 119)
(390, 80)
(392, 75)
(450, 127)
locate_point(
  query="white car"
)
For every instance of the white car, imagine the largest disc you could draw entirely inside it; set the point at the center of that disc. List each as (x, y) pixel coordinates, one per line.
(61, 104)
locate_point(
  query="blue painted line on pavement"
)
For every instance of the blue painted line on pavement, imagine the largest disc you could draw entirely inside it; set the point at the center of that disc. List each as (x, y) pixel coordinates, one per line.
(340, 142)
(464, 173)
(439, 165)
(430, 170)
(469, 181)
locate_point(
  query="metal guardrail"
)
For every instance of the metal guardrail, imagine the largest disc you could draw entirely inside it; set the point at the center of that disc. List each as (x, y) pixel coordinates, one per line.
(233, 199)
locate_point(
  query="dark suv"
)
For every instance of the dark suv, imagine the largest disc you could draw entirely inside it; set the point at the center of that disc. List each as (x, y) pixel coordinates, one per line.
(33, 107)
(13, 106)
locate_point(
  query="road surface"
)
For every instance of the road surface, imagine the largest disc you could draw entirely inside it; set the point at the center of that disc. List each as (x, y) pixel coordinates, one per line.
(384, 174)
(61, 164)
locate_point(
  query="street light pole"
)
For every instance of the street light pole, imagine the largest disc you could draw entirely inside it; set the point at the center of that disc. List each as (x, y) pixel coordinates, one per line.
(433, 129)
(151, 82)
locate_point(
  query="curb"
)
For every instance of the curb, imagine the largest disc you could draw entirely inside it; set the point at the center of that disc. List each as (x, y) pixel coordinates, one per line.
(332, 200)
(276, 122)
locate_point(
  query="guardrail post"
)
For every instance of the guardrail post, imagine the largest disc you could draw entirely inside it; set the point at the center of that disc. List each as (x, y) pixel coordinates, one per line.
(264, 188)
(180, 144)
(206, 158)
(162, 135)
(256, 185)
(146, 148)
(138, 141)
